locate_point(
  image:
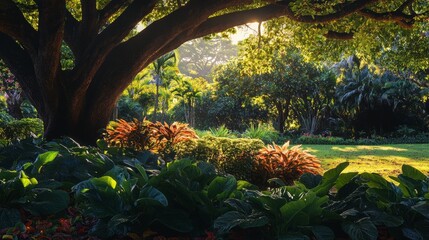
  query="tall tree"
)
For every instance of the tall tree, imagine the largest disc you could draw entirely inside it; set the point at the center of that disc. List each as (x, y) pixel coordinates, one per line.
(199, 57)
(160, 65)
(77, 102)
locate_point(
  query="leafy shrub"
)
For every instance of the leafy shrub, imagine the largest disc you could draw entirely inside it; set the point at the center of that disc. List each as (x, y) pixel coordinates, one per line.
(145, 135)
(376, 140)
(262, 131)
(364, 206)
(136, 134)
(166, 136)
(232, 156)
(221, 131)
(21, 129)
(19, 191)
(283, 163)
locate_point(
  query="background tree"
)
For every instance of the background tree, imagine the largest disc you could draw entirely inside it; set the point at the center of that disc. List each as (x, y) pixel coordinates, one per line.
(199, 57)
(160, 70)
(77, 102)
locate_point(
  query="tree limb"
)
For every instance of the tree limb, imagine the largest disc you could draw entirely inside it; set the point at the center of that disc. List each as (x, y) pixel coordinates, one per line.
(111, 8)
(339, 35)
(13, 23)
(89, 17)
(21, 65)
(47, 66)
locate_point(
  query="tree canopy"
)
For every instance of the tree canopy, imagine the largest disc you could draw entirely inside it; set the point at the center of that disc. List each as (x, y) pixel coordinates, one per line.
(77, 101)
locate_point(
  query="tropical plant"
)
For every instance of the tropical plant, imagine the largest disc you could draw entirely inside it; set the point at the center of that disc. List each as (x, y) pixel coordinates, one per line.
(167, 136)
(221, 131)
(161, 65)
(136, 134)
(284, 163)
(261, 131)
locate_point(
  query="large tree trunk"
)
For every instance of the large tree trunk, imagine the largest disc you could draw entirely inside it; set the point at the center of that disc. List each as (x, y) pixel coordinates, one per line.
(83, 123)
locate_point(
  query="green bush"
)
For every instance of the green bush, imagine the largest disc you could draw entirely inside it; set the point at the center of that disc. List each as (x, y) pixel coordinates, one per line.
(262, 131)
(317, 139)
(232, 156)
(21, 129)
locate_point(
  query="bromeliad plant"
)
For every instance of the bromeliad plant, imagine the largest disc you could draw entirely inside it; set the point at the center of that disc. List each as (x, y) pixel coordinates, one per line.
(284, 163)
(145, 135)
(167, 136)
(137, 135)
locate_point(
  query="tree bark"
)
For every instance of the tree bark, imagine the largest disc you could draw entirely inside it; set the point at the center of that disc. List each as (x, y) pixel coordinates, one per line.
(79, 102)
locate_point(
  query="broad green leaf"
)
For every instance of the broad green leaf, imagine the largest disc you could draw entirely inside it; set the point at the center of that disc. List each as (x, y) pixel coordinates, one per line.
(344, 179)
(43, 159)
(380, 218)
(241, 184)
(277, 181)
(232, 219)
(221, 187)
(322, 232)
(412, 234)
(290, 210)
(422, 208)
(413, 173)
(362, 229)
(176, 220)
(142, 172)
(9, 217)
(104, 181)
(329, 179)
(153, 193)
(48, 202)
(310, 180)
(293, 236)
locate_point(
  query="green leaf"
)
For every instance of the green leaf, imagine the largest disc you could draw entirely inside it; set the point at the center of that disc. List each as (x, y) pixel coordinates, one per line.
(241, 184)
(322, 232)
(221, 187)
(142, 172)
(413, 173)
(43, 159)
(277, 181)
(176, 220)
(294, 236)
(104, 181)
(412, 234)
(231, 219)
(150, 192)
(380, 218)
(362, 229)
(47, 202)
(422, 208)
(310, 180)
(329, 179)
(290, 210)
(9, 217)
(344, 179)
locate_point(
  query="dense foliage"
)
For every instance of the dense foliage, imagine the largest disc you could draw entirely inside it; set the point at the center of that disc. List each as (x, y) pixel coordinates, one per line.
(118, 193)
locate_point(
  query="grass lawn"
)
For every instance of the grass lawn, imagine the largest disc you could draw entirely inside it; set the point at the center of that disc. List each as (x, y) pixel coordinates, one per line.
(383, 159)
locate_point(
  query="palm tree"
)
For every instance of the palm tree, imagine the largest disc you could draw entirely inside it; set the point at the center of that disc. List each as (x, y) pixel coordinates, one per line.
(189, 94)
(160, 66)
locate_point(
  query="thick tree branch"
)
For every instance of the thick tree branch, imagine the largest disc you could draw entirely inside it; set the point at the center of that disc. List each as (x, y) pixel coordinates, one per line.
(13, 23)
(71, 31)
(51, 29)
(89, 61)
(339, 35)
(110, 9)
(89, 17)
(21, 65)
(404, 20)
(142, 49)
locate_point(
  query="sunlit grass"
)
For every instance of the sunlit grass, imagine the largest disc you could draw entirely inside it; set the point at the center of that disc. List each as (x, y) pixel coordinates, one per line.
(386, 160)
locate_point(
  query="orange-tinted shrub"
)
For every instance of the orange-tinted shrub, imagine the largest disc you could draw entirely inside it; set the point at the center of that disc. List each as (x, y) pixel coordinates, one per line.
(285, 163)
